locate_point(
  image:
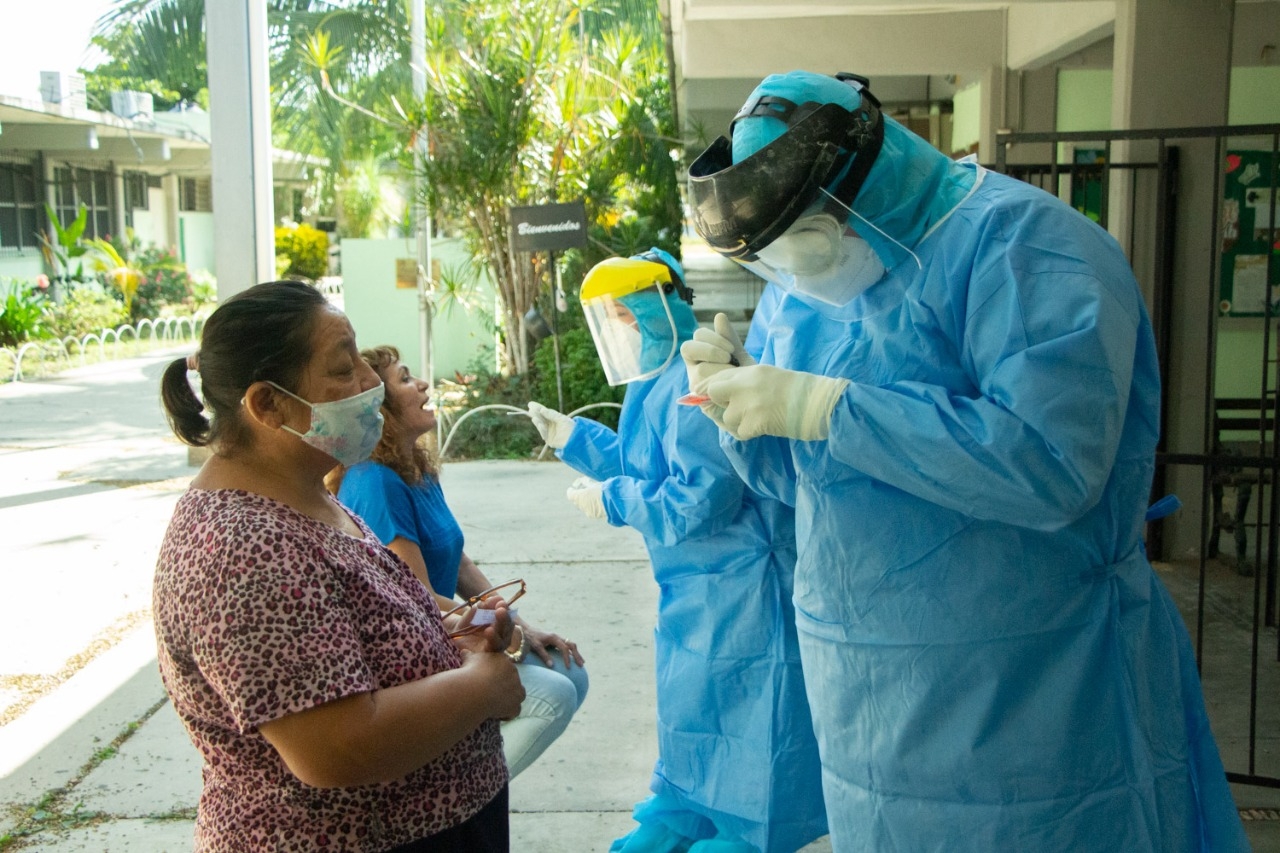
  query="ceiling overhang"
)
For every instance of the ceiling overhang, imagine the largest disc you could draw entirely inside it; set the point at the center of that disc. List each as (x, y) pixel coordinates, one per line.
(915, 52)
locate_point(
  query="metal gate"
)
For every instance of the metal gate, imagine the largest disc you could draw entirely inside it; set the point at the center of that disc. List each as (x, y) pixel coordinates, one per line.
(1195, 210)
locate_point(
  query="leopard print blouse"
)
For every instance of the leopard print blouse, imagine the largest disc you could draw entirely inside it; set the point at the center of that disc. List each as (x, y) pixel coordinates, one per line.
(260, 612)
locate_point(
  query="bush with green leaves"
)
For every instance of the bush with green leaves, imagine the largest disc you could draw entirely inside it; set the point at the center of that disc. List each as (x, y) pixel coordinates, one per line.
(165, 283)
(581, 376)
(84, 309)
(492, 434)
(307, 249)
(22, 312)
(204, 288)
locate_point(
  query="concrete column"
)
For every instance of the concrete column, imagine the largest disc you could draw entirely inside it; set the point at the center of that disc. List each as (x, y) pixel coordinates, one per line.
(1032, 98)
(240, 131)
(169, 187)
(1172, 67)
(993, 115)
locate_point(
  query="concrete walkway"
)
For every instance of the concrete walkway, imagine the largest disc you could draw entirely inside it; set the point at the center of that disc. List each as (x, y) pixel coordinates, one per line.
(92, 757)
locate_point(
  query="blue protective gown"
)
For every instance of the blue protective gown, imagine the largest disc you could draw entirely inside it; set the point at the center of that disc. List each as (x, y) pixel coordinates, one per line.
(737, 759)
(992, 663)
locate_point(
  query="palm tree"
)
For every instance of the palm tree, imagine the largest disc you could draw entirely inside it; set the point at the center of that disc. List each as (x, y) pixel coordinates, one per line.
(155, 47)
(528, 102)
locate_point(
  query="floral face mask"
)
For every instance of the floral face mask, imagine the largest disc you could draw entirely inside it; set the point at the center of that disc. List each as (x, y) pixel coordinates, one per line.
(348, 430)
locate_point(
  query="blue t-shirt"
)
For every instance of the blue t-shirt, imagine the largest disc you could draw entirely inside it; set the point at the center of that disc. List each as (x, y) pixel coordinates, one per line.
(391, 507)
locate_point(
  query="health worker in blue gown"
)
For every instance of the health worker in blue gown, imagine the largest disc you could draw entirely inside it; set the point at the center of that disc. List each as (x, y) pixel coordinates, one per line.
(958, 392)
(737, 767)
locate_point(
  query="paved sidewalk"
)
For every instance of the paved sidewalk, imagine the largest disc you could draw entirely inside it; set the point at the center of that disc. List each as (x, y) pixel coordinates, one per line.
(92, 757)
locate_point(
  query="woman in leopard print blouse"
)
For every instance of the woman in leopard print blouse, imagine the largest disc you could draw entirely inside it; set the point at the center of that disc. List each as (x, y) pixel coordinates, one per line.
(311, 668)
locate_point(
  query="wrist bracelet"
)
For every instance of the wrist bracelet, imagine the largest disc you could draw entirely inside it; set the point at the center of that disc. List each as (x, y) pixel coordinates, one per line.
(518, 654)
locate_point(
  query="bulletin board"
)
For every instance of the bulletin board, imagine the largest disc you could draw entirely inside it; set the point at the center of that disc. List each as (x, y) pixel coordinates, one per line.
(1250, 263)
(1086, 183)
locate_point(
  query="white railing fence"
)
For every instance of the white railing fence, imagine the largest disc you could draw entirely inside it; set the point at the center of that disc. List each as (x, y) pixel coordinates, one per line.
(161, 330)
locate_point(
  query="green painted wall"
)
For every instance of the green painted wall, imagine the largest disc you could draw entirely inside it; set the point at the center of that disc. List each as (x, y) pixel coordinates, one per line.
(26, 265)
(382, 313)
(1254, 98)
(1084, 100)
(966, 119)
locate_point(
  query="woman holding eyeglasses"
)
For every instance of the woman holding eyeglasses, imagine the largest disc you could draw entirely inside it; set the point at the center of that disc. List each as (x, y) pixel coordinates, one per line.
(397, 492)
(310, 667)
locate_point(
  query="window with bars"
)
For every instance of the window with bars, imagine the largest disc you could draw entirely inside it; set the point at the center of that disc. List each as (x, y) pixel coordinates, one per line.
(73, 187)
(288, 202)
(135, 191)
(19, 207)
(195, 195)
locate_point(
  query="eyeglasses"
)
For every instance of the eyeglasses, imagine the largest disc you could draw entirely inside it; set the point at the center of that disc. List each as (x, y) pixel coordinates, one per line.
(509, 591)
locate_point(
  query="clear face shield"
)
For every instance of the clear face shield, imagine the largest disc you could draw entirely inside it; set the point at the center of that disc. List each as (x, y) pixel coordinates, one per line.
(820, 257)
(635, 333)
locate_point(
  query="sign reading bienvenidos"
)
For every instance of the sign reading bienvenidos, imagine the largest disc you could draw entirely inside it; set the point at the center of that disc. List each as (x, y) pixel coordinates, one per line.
(547, 227)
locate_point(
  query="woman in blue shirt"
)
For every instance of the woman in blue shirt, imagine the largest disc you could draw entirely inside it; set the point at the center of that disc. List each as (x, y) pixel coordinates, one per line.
(397, 492)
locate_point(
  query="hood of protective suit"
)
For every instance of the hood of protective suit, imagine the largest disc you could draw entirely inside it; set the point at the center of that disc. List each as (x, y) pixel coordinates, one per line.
(655, 328)
(911, 186)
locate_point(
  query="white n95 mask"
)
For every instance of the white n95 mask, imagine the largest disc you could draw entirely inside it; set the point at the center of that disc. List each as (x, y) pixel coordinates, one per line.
(819, 257)
(347, 429)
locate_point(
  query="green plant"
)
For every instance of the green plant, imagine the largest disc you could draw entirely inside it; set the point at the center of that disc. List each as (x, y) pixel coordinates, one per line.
(491, 434)
(204, 288)
(116, 270)
(360, 195)
(22, 314)
(63, 247)
(165, 282)
(307, 249)
(83, 309)
(581, 377)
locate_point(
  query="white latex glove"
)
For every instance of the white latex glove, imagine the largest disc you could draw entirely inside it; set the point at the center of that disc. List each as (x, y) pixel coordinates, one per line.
(710, 352)
(587, 495)
(553, 426)
(765, 400)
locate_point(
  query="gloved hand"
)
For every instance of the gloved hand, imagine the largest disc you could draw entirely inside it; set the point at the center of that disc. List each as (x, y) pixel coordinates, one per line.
(553, 426)
(765, 400)
(587, 495)
(710, 352)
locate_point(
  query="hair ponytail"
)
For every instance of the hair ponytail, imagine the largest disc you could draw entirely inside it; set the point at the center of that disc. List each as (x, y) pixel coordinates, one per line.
(182, 407)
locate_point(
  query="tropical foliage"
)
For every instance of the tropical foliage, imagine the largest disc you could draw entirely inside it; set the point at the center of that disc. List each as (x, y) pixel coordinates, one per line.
(306, 248)
(152, 47)
(64, 249)
(21, 312)
(526, 102)
(83, 310)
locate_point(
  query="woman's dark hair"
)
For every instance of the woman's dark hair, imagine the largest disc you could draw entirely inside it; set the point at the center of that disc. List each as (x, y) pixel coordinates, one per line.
(263, 333)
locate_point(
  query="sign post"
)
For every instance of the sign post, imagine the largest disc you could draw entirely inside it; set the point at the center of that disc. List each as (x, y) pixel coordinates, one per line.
(548, 228)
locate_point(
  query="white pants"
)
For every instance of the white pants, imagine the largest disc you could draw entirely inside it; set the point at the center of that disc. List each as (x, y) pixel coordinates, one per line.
(551, 697)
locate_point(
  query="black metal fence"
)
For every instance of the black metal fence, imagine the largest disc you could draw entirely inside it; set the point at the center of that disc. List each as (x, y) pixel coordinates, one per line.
(1196, 211)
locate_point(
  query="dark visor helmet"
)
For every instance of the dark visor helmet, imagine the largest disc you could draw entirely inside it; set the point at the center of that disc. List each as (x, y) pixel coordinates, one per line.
(739, 208)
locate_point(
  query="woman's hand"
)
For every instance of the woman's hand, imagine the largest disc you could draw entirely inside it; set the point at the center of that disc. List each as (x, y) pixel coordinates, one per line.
(498, 672)
(496, 636)
(545, 643)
